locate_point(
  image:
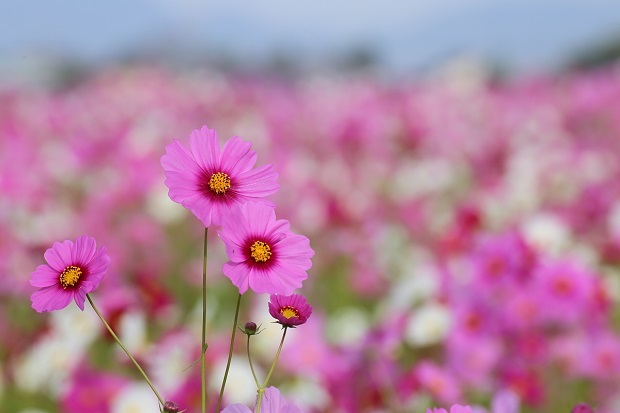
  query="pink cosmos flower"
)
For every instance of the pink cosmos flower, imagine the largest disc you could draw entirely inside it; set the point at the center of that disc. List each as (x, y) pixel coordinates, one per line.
(91, 391)
(438, 381)
(457, 408)
(265, 255)
(73, 270)
(273, 402)
(289, 310)
(209, 182)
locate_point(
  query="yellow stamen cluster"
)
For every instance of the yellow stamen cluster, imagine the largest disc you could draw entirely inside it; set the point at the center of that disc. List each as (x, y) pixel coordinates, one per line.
(219, 183)
(260, 251)
(70, 276)
(289, 312)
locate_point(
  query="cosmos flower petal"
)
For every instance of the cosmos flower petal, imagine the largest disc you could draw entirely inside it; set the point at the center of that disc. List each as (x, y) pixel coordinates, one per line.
(205, 148)
(258, 182)
(286, 279)
(233, 230)
(258, 217)
(261, 282)
(295, 250)
(237, 157)
(84, 249)
(100, 261)
(238, 274)
(44, 276)
(177, 158)
(236, 408)
(234, 250)
(219, 210)
(273, 401)
(201, 208)
(181, 185)
(79, 296)
(51, 298)
(59, 255)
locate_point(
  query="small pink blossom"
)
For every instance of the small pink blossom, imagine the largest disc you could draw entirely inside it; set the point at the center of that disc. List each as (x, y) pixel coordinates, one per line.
(73, 270)
(265, 256)
(290, 311)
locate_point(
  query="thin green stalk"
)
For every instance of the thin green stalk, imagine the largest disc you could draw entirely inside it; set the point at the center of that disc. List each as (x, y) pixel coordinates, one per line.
(203, 344)
(230, 352)
(251, 365)
(259, 401)
(125, 350)
(273, 365)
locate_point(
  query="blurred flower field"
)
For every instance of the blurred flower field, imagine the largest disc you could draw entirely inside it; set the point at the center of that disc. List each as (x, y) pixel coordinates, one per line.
(466, 235)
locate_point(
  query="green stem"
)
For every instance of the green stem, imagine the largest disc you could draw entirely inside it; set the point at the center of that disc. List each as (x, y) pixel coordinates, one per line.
(259, 401)
(203, 344)
(230, 351)
(273, 365)
(126, 351)
(252, 366)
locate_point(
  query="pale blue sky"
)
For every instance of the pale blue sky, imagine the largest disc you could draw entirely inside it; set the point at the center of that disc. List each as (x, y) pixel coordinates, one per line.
(523, 34)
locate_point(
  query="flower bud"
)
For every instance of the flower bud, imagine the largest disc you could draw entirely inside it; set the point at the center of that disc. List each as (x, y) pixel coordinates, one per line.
(171, 407)
(582, 408)
(250, 328)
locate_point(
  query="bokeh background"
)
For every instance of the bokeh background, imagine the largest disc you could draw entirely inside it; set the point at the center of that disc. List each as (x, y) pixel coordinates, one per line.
(454, 164)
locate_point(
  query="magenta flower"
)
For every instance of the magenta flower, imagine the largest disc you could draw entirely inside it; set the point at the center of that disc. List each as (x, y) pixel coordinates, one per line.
(289, 310)
(582, 408)
(273, 402)
(73, 270)
(265, 255)
(209, 182)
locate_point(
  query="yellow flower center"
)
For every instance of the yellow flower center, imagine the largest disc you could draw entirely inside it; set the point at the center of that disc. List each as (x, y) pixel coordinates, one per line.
(289, 312)
(260, 251)
(70, 276)
(219, 183)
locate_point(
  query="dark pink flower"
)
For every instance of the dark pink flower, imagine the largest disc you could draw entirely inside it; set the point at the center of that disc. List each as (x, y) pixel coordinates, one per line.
(73, 270)
(582, 408)
(289, 310)
(209, 182)
(265, 255)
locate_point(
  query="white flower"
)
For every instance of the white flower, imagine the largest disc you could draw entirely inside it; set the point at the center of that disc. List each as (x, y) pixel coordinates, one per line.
(47, 365)
(428, 325)
(135, 398)
(132, 331)
(240, 386)
(547, 233)
(170, 359)
(308, 394)
(347, 326)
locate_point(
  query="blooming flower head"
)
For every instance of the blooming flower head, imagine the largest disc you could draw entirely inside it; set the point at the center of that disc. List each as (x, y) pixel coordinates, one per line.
(73, 270)
(272, 402)
(209, 181)
(265, 255)
(289, 310)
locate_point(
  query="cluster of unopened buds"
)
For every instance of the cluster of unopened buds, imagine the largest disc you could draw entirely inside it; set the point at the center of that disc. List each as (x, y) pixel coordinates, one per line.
(223, 189)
